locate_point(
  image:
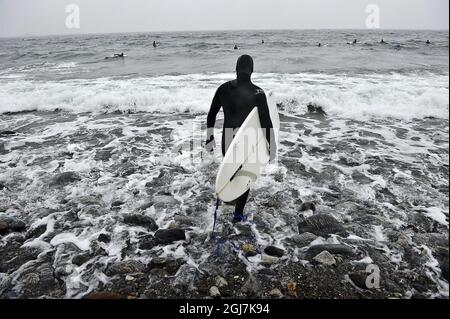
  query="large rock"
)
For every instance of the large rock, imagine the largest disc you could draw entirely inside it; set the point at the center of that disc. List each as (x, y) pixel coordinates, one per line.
(168, 236)
(335, 249)
(141, 220)
(321, 225)
(274, 251)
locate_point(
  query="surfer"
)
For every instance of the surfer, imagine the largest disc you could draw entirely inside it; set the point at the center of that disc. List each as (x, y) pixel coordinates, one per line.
(382, 41)
(236, 47)
(238, 98)
(428, 42)
(116, 56)
(154, 44)
(319, 45)
(262, 42)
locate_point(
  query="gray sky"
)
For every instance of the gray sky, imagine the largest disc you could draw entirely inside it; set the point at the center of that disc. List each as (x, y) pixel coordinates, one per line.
(40, 17)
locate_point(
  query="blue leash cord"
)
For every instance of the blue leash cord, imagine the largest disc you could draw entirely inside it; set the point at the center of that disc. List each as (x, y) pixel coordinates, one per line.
(213, 235)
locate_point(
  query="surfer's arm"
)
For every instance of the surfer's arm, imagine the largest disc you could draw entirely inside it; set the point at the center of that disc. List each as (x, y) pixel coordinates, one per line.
(266, 122)
(216, 105)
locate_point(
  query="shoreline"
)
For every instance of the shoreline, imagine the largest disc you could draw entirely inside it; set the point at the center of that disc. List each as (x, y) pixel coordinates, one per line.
(83, 205)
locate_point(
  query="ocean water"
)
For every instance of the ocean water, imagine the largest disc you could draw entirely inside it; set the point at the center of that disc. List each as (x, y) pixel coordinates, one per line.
(403, 78)
(86, 141)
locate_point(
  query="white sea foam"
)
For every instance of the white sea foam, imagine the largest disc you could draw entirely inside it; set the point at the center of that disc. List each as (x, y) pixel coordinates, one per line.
(387, 95)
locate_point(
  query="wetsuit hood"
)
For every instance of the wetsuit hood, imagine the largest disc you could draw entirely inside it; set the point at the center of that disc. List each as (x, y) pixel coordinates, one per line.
(244, 68)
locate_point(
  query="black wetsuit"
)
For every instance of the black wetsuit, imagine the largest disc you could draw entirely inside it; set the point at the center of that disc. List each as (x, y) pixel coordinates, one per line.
(238, 98)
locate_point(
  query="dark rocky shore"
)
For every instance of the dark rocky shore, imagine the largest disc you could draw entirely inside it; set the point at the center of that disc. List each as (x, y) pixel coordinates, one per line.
(104, 207)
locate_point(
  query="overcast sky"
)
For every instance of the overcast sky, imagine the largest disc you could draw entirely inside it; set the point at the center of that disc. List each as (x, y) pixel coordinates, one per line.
(41, 17)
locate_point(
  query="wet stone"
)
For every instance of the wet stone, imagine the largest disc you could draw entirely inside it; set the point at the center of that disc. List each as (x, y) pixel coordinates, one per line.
(104, 238)
(80, 259)
(325, 258)
(147, 242)
(125, 267)
(11, 224)
(168, 236)
(169, 265)
(321, 225)
(359, 279)
(214, 292)
(140, 220)
(274, 251)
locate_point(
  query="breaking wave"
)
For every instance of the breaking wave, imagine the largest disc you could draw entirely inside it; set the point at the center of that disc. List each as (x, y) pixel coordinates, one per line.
(400, 96)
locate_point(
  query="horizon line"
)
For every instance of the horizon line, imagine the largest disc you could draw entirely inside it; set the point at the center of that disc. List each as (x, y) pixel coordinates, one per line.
(214, 30)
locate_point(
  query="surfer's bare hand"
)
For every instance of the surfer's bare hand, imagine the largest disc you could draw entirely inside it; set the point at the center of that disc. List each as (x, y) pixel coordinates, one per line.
(210, 145)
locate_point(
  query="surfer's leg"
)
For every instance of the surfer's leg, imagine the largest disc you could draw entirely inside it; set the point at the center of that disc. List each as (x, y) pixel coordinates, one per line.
(239, 208)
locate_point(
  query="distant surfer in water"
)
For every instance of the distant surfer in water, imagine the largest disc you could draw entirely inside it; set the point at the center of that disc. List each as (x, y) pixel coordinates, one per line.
(382, 41)
(238, 98)
(428, 42)
(154, 44)
(116, 56)
(236, 47)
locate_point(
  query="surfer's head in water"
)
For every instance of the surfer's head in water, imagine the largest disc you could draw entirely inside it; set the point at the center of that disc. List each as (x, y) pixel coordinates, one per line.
(244, 67)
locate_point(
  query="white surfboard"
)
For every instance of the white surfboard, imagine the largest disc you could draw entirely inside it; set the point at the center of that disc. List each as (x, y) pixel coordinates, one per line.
(246, 156)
